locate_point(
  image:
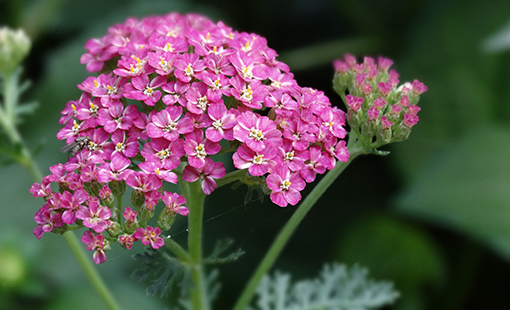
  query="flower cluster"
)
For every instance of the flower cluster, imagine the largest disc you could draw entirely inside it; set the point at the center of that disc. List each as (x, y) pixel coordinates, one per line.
(170, 89)
(379, 110)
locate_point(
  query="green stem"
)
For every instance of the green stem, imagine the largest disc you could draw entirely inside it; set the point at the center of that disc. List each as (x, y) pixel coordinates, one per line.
(90, 271)
(296, 218)
(231, 177)
(181, 253)
(195, 202)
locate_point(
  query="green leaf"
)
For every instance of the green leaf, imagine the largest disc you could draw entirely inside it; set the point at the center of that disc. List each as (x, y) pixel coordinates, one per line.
(466, 187)
(336, 288)
(220, 247)
(166, 271)
(24, 109)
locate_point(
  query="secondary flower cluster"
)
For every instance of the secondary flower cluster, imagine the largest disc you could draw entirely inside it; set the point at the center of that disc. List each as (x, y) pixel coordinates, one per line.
(170, 89)
(379, 110)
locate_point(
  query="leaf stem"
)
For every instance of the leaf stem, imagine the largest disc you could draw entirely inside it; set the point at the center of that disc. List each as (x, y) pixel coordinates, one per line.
(296, 218)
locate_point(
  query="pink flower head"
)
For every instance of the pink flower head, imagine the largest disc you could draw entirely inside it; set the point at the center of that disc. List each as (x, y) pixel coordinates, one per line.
(410, 120)
(418, 87)
(114, 170)
(42, 189)
(251, 94)
(71, 203)
(144, 89)
(122, 145)
(413, 109)
(385, 123)
(379, 103)
(285, 186)
(294, 159)
(247, 68)
(373, 114)
(129, 215)
(340, 66)
(404, 101)
(207, 173)
(257, 132)
(169, 124)
(198, 148)
(187, 66)
(176, 91)
(223, 123)
(105, 192)
(257, 163)
(316, 163)
(199, 97)
(96, 243)
(116, 117)
(384, 64)
(143, 182)
(46, 222)
(334, 120)
(195, 83)
(152, 199)
(384, 88)
(175, 203)
(354, 102)
(168, 153)
(156, 168)
(126, 241)
(150, 236)
(95, 216)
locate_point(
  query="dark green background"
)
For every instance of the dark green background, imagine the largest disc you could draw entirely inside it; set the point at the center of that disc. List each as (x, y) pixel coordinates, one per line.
(433, 216)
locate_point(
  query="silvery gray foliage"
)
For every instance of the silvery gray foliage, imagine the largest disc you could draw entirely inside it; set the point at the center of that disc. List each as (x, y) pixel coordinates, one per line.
(336, 288)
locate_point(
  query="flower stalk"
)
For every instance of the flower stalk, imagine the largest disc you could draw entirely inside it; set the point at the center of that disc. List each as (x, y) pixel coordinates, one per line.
(195, 202)
(89, 270)
(284, 235)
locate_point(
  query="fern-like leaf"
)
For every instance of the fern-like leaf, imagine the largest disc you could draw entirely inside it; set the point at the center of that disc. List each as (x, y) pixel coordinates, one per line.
(166, 272)
(336, 288)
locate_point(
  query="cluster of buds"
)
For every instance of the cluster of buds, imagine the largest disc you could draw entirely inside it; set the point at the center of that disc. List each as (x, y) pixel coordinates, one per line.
(169, 90)
(379, 111)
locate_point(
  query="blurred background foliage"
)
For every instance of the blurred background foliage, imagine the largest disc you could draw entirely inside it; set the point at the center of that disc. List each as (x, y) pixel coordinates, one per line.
(433, 216)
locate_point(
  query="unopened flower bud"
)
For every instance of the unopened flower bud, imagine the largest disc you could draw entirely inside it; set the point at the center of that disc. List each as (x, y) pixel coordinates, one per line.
(114, 229)
(137, 198)
(166, 218)
(14, 46)
(131, 222)
(146, 213)
(118, 187)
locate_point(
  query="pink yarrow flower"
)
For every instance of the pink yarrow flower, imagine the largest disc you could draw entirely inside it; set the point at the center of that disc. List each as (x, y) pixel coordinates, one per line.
(150, 236)
(285, 186)
(207, 173)
(95, 216)
(96, 243)
(196, 83)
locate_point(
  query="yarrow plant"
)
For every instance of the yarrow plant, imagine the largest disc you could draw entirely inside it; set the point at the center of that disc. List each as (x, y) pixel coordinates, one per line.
(171, 92)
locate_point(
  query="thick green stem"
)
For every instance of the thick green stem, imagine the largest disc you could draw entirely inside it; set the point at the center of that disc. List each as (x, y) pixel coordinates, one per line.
(195, 202)
(296, 218)
(90, 271)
